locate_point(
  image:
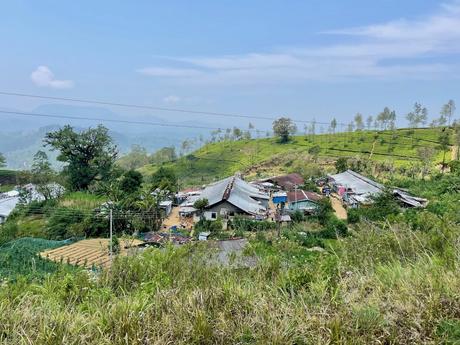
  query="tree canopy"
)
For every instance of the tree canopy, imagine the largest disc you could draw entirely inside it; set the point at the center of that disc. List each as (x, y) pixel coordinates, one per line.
(89, 154)
(284, 127)
(2, 160)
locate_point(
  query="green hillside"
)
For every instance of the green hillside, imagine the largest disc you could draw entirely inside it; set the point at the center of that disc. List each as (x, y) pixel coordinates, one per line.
(261, 157)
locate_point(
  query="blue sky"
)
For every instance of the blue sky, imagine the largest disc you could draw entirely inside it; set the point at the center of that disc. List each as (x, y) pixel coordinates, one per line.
(304, 59)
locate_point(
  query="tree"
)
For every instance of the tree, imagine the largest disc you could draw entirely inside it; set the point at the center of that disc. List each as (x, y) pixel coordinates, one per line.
(131, 182)
(369, 121)
(341, 164)
(444, 145)
(359, 124)
(457, 139)
(201, 205)
(164, 179)
(333, 125)
(448, 111)
(165, 154)
(237, 133)
(386, 118)
(314, 151)
(137, 158)
(2, 160)
(90, 154)
(418, 116)
(426, 154)
(43, 175)
(283, 128)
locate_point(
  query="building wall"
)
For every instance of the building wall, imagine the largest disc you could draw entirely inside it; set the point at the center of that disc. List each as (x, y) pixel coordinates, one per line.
(304, 204)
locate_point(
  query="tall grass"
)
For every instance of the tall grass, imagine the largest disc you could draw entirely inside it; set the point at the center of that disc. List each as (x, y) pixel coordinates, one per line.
(380, 286)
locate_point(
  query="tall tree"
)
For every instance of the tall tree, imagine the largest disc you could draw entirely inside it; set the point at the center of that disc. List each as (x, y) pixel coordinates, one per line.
(369, 122)
(2, 160)
(418, 116)
(386, 118)
(448, 111)
(359, 124)
(333, 125)
(283, 128)
(89, 154)
(43, 175)
(444, 145)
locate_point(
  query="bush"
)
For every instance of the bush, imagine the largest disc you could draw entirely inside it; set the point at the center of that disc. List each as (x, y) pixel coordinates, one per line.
(212, 226)
(353, 215)
(61, 221)
(334, 228)
(244, 224)
(297, 216)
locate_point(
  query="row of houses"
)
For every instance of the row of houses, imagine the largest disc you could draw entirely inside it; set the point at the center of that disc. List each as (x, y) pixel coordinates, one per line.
(233, 196)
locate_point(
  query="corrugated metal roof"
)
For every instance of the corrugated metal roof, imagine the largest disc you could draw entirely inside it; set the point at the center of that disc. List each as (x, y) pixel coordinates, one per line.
(357, 183)
(237, 192)
(7, 206)
(301, 195)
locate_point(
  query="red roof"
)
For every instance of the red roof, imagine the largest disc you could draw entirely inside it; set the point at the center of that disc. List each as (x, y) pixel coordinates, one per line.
(287, 182)
(301, 195)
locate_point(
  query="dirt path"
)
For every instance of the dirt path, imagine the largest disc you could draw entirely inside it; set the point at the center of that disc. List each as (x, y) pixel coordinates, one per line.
(172, 219)
(454, 152)
(339, 210)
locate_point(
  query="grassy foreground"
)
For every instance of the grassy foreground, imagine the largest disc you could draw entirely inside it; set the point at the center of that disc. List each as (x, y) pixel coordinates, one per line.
(391, 286)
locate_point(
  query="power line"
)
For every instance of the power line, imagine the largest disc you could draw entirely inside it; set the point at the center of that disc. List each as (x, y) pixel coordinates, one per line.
(20, 113)
(150, 107)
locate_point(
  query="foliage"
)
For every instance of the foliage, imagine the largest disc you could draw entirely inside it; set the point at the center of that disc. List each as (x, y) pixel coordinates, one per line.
(283, 128)
(341, 164)
(89, 154)
(165, 179)
(131, 182)
(62, 220)
(2, 160)
(135, 159)
(244, 224)
(212, 226)
(324, 211)
(383, 205)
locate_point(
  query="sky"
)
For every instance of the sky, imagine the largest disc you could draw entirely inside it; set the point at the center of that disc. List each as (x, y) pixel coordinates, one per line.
(303, 59)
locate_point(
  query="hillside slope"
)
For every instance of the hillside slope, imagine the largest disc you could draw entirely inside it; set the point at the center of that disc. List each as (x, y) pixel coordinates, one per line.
(263, 157)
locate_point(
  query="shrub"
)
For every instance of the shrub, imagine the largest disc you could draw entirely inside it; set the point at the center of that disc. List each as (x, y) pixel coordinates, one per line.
(297, 216)
(334, 228)
(353, 215)
(61, 220)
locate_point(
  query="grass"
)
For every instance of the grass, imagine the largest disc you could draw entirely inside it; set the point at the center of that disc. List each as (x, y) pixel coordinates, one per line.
(406, 294)
(82, 201)
(267, 156)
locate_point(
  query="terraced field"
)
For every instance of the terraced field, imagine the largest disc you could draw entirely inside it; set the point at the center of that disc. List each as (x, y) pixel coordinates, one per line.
(89, 253)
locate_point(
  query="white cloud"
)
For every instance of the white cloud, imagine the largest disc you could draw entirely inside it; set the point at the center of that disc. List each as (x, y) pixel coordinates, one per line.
(170, 72)
(44, 77)
(401, 49)
(172, 99)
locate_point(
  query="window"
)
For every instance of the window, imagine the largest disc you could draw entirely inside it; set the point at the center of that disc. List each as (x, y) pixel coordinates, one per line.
(231, 214)
(213, 215)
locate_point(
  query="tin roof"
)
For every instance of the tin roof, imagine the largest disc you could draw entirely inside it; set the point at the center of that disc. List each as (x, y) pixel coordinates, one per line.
(237, 192)
(357, 183)
(302, 195)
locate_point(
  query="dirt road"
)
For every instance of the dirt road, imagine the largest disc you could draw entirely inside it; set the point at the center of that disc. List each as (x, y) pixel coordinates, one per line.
(339, 210)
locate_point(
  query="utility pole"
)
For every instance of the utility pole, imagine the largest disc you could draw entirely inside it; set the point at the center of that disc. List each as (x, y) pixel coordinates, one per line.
(111, 236)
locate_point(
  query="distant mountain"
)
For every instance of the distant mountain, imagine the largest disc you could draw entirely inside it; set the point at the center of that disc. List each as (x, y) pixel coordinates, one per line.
(21, 136)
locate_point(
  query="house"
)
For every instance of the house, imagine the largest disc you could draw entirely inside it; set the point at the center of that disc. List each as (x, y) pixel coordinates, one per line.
(7, 205)
(286, 182)
(304, 201)
(356, 189)
(229, 197)
(166, 206)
